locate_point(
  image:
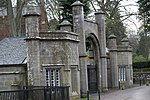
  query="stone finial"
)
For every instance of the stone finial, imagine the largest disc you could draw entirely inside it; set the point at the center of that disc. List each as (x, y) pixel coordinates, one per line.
(125, 39)
(65, 23)
(31, 8)
(77, 3)
(65, 26)
(112, 36)
(112, 42)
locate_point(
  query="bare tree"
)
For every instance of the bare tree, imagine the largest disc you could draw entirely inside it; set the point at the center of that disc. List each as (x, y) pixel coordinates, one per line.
(115, 14)
(53, 9)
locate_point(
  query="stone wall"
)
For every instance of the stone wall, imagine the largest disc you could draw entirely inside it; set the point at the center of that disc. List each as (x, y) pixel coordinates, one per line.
(90, 27)
(59, 51)
(12, 76)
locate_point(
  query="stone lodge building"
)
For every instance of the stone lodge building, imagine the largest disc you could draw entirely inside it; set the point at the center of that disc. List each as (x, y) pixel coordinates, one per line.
(78, 59)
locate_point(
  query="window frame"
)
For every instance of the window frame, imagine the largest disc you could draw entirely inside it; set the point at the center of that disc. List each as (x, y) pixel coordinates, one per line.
(53, 77)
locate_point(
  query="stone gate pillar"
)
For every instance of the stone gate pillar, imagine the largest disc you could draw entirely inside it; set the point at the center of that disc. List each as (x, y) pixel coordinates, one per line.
(100, 20)
(78, 27)
(127, 60)
(31, 15)
(113, 61)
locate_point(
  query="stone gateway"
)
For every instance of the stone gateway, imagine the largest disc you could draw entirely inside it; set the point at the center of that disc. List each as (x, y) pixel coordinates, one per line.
(79, 58)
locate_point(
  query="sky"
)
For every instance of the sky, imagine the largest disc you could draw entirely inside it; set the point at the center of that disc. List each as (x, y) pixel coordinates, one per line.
(132, 23)
(14, 2)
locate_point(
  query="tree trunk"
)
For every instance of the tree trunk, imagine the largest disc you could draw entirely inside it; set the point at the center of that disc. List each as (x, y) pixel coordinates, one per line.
(11, 18)
(18, 19)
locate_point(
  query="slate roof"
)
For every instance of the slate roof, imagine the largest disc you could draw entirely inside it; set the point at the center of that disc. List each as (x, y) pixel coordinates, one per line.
(12, 50)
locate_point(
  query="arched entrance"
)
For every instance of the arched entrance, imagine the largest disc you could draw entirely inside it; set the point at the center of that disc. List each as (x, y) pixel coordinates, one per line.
(92, 64)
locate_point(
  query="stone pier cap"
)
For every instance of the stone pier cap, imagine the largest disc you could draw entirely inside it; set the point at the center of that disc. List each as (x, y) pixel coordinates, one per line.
(77, 3)
(59, 35)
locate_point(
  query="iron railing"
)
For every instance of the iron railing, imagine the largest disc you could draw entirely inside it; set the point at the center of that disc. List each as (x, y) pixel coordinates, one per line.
(37, 93)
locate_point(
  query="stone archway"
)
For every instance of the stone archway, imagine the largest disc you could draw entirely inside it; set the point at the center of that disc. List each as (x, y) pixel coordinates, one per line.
(92, 64)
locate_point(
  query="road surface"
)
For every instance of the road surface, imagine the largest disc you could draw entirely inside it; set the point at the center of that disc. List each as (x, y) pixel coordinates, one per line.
(136, 93)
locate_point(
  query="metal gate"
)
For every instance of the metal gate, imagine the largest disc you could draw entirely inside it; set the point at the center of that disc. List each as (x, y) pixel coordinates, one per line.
(92, 78)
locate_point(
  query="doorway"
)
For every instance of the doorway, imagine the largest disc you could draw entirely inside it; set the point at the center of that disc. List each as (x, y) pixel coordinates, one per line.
(91, 65)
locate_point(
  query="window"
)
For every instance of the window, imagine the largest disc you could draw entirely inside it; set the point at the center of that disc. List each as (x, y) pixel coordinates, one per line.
(53, 77)
(122, 73)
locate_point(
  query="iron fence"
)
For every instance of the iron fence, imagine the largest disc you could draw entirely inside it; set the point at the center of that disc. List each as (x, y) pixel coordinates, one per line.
(36, 93)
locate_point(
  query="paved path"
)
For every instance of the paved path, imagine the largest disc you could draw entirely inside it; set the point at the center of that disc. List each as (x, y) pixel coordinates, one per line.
(136, 93)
